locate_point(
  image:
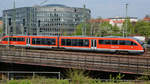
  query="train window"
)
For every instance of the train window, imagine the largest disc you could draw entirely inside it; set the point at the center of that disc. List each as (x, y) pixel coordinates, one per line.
(74, 42)
(43, 41)
(52, 41)
(107, 41)
(148, 41)
(23, 39)
(38, 41)
(10, 39)
(122, 42)
(68, 42)
(14, 39)
(20, 39)
(63, 42)
(5, 39)
(132, 43)
(101, 42)
(127, 42)
(80, 42)
(85, 42)
(114, 42)
(47, 41)
(33, 41)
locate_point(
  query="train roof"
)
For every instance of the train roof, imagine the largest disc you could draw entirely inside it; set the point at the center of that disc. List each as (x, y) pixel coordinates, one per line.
(82, 36)
(35, 35)
(104, 37)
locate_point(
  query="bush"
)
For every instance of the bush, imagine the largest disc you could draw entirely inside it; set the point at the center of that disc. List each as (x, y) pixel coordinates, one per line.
(117, 78)
(25, 82)
(78, 76)
(19, 82)
(145, 76)
(13, 82)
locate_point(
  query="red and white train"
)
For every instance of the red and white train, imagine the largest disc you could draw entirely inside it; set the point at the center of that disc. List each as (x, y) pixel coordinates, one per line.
(110, 44)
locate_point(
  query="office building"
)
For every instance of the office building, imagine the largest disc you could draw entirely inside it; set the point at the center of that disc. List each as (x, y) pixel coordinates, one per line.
(52, 19)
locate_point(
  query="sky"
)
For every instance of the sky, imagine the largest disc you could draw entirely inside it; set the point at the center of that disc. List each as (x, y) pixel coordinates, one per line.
(99, 8)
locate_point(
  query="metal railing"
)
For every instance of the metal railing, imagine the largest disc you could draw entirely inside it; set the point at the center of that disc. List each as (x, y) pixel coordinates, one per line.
(11, 75)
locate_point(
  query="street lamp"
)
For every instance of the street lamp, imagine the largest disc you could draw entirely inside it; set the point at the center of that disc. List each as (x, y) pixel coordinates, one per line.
(126, 19)
(84, 20)
(14, 4)
(126, 25)
(14, 17)
(6, 26)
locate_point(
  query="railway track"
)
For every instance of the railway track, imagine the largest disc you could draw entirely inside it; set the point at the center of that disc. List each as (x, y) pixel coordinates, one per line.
(62, 51)
(146, 54)
(123, 63)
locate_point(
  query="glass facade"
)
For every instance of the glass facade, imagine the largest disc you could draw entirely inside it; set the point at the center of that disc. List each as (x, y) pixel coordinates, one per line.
(44, 20)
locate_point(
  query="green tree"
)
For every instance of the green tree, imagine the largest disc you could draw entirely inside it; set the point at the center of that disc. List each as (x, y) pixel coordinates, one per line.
(64, 33)
(116, 31)
(0, 29)
(88, 29)
(105, 29)
(80, 29)
(128, 27)
(142, 28)
(94, 29)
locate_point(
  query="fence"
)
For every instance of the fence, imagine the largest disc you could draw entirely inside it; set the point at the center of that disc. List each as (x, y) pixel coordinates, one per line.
(11, 75)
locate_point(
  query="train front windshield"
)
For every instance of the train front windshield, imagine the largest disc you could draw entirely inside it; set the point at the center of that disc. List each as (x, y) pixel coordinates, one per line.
(140, 42)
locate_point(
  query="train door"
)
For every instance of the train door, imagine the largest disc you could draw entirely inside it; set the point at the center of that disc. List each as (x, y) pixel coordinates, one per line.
(93, 44)
(28, 41)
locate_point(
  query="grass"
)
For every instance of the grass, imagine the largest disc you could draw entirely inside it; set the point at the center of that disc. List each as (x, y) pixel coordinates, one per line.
(57, 81)
(73, 77)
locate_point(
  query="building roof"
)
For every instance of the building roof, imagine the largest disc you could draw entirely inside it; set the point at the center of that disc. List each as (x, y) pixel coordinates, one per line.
(99, 20)
(124, 18)
(118, 21)
(146, 19)
(52, 5)
(1, 22)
